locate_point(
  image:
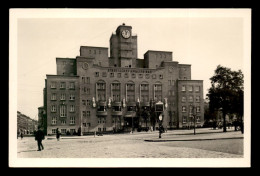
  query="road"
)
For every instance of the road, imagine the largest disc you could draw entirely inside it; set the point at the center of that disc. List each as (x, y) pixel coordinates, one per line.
(206, 143)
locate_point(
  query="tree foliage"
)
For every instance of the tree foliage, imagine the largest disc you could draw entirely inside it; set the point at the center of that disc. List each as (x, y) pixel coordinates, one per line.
(226, 92)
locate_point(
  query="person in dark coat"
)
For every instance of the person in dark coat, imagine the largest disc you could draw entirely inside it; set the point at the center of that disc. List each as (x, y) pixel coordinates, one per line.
(21, 135)
(58, 133)
(39, 136)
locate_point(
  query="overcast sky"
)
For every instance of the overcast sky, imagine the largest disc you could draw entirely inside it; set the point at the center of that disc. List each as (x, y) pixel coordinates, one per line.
(203, 42)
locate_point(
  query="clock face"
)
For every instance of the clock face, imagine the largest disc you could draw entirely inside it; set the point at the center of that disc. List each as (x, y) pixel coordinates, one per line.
(126, 33)
(85, 65)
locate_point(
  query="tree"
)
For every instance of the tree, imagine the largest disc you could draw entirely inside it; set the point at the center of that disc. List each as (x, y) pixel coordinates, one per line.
(226, 92)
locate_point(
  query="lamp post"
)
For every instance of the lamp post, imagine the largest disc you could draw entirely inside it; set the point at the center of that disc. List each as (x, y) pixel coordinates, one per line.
(160, 126)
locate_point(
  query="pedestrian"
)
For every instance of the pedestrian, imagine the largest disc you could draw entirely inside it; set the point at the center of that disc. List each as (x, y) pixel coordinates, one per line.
(39, 136)
(58, 133)
(21, 135)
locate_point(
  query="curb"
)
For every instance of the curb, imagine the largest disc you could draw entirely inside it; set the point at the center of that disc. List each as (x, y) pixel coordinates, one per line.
(171, 140)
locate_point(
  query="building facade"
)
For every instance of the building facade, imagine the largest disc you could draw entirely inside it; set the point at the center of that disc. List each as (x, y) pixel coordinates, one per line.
(25, 124)
(120, 92)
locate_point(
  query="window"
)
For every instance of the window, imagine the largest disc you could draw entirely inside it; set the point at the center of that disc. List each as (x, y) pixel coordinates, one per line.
(191, 99)
(62, 96)
(63, 122)
(63, 111)
(111, 74)
(72, 85)
(183, 88)
(104, 129)
(53, 85)
(133, 75)
(154, 76)
(72, 120)
(53, 108)
(197, 88)
(147, 76)
(72, 108)
(144, 87)
(89, 124)
(62, 85)
(197, 98)
(184, 119)
(88, 90)
(157, 87)
(88, 80)
(53, 131)
(84, 124)
(99, 129)
(84, 113)
(54, 120)
(83, 102)
(183, 108)
(101, 86)
(191, 111)
(88, 113)
(169, 82)
(126, 75)
(104, 74)
(72, 97)
(72, 131)
(119, 75)
(183, 99)
(190, 88)
(161, 76)
(140, 76)
(130, 87)
(198, 108)
(53, 96)
(97, 74)
(88, 102)
(63, 131)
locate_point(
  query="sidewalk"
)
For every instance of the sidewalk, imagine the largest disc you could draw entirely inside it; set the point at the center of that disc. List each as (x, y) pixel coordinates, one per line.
(201, 134)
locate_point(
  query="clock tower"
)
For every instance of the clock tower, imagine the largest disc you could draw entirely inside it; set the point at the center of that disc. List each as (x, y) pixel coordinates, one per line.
(123, 47)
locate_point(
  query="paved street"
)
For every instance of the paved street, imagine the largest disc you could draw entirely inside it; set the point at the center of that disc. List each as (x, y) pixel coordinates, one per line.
(207, 143)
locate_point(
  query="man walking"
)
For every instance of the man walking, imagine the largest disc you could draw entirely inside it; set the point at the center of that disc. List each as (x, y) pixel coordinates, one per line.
(39, 136)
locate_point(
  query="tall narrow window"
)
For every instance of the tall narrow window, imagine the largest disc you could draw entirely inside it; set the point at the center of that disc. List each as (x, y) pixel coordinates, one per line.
(63, 112)
(62, 96)
(72, 120)
(53, 96)
(183, 88)
(53, 108)
(54, 120)
(191, 99)
(190, 88)
(198, 108)
(72, 108)
(183, 108)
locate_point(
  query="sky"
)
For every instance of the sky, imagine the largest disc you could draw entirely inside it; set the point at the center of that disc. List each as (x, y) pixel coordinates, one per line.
(204, 42)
